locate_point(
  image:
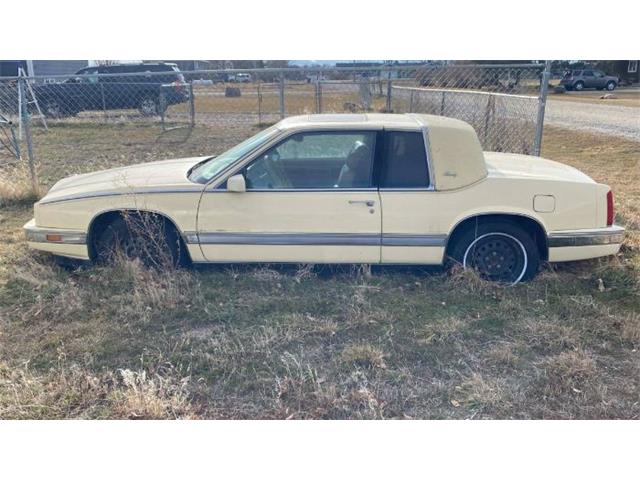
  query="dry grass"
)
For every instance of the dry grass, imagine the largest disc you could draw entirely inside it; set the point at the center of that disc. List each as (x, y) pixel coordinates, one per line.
(299, 99)
(569, 371)
(16, 186)
(69, 391)
(478, 394)
(274, 342)
(364, 355)
(624, 98)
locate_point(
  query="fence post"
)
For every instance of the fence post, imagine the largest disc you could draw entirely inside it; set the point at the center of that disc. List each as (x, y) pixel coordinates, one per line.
(16, 143)
(26, 123)
(20, 99)
(488, 114)
(282, 95)
(542, 103)
(104, 103)
(364, 89)
(259, 105)
(162, 105)
(389, 93)
(442, 104)
(318, 96)
(411, 101)
(192, 106)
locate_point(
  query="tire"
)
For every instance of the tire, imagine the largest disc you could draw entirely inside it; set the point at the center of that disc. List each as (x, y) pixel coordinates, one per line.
(499, 251)
(611, 86)
(148, 107)
(579, 86)
(53, 109)
(150, 239)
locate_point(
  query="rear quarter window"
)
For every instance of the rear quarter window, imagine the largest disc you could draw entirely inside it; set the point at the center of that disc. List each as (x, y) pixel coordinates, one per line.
(404, 161)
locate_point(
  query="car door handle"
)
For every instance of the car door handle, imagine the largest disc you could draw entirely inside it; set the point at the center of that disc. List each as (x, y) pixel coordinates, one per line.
(368, 203)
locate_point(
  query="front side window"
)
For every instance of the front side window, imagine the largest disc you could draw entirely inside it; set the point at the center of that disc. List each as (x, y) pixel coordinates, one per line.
(207, 170)
(315, 160)
(404, 163)
(588, 73)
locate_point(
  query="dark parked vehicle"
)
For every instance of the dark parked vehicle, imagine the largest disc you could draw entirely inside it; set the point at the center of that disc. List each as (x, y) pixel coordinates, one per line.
(115, 87)
(588, 78)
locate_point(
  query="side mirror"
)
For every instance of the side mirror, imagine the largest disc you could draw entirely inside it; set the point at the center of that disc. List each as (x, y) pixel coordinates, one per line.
(236, 183)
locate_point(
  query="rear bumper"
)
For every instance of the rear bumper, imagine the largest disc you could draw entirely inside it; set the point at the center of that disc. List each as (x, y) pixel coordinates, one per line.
(59, 241)
(581, 238)
(572, 245)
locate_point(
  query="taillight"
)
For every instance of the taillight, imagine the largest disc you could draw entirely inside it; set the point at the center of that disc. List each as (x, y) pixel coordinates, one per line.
(609, 208)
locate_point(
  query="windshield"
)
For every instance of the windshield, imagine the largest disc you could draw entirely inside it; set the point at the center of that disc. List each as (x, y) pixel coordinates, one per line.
(209, 169)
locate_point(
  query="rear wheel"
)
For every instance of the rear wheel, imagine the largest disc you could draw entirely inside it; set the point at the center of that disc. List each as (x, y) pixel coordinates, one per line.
(499, 251)
(611, 86)
(579, 86)
(148, 107)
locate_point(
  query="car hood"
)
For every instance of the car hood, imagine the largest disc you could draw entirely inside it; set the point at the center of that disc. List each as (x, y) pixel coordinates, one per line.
(141, 178)
(511, 165)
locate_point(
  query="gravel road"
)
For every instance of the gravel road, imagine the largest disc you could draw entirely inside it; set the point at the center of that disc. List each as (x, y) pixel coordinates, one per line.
(608, 119)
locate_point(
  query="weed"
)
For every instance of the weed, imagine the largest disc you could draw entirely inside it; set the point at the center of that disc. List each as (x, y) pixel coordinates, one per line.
(364, 355)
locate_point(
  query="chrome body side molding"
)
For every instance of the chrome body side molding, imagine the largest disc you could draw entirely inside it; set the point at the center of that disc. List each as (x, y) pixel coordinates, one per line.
(346, 239)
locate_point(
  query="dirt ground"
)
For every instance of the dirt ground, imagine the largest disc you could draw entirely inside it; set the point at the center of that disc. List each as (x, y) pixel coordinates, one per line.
(587, 112)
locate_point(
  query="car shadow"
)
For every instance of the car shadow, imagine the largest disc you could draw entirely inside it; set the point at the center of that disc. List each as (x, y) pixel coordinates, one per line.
(326, 271)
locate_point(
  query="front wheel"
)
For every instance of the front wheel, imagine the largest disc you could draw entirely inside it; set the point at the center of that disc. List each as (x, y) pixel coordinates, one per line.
(500, 252)
(579, 86)
(53, 109)
(147, 238)
(611, 86)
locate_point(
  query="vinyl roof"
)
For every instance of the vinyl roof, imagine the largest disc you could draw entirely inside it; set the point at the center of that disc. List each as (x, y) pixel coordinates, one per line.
(365, 120)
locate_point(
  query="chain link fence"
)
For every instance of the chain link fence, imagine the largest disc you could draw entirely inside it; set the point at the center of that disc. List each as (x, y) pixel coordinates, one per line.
(501, 102)
(90, 120)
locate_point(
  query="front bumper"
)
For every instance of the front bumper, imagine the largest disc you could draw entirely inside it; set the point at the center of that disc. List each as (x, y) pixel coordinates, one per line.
(59, 241)
(581, 238)
(53, 235)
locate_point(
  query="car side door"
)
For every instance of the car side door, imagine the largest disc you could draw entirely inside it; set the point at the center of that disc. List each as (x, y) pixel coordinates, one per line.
(81, 91)
(115, 89)
(409, 234)
(309, 198)
(599, 79)
(589, 79)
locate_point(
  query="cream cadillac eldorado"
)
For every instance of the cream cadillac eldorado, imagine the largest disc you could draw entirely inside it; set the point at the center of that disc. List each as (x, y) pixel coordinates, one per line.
(373, 189)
